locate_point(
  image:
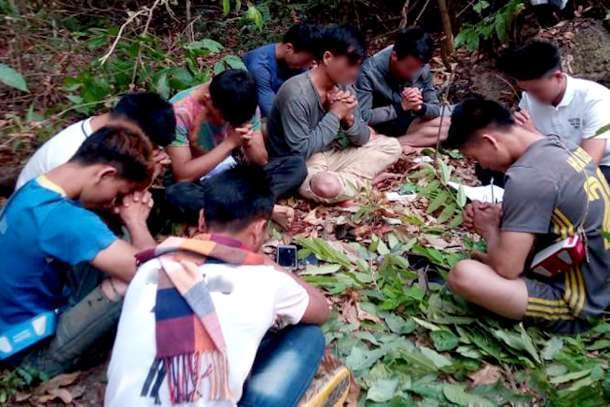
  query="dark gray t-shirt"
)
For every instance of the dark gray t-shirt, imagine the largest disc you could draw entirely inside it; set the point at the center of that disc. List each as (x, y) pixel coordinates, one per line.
(551, 190)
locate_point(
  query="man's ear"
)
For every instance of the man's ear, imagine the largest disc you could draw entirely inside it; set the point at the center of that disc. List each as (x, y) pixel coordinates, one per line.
(105, 172)
(289, 47)
(393, 56)
(491, 138)
(257, 231)
(201, 226)
(327, 57)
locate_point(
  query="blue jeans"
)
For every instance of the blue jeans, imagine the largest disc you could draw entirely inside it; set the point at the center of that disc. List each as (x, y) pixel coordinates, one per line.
(285, 365)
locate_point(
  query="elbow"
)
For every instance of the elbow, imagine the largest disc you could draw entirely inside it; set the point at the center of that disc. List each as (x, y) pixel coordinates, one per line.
(181, 175)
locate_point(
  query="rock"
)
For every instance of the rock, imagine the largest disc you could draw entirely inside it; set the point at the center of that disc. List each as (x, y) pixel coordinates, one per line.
(588, 54)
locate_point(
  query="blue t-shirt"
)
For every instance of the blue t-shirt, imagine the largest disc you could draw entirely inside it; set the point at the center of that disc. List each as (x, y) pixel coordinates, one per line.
(268, 74)
(41, 233)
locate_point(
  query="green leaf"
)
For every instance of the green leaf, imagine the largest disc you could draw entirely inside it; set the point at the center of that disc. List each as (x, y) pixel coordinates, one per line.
(12, 78)
(205, 45)
(447, 213)
(600, 344)
(456, 394)
(552, 347)
(162, 86)
(570, 376)
(254, 15)
(461, 197)
(426, 324)
(321, 270)
(226, 7)
(362, 359)
(444, 340)
(399, 325)
(437, 202)
(602, 130)
(480, 6)
(445, 171)
(469, 352)
(436, 358)
(382, 390)
(518, 342)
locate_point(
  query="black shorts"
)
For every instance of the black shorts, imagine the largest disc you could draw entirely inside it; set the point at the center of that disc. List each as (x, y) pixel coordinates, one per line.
(556, 305)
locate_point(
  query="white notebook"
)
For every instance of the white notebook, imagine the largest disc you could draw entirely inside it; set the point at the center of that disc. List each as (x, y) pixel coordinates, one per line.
(482, 193)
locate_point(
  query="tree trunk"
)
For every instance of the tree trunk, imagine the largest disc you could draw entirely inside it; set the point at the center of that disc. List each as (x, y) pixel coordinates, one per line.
(448, 32)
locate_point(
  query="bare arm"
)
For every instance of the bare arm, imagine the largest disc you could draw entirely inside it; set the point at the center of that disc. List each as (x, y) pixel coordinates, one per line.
(255, 150)
(187, 168)
(318, 310)
(595, 147)
(117, 260)
(507, 252)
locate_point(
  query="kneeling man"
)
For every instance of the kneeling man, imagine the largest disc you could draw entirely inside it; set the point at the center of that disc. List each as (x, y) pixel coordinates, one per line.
(315, 115)
(195, 318)
(553, 191)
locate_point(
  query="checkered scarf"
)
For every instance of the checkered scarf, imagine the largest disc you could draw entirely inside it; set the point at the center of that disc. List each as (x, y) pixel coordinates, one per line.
(190, 344)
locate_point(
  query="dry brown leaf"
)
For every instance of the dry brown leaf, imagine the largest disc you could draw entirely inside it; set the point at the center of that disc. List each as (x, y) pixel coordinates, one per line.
(63, 394)
(61, 380)
(20, 397)
(488, 375)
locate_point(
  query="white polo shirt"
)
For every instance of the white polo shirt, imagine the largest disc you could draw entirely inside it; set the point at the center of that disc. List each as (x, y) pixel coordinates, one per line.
(584, 109)
(56, 151)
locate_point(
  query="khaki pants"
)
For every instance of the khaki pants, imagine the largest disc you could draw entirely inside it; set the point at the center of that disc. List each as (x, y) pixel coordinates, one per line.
(355, 167)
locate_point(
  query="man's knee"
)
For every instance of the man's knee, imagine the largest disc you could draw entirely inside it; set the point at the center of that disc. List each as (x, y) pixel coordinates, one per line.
(325, 185)
(461, 277)
(388, 146)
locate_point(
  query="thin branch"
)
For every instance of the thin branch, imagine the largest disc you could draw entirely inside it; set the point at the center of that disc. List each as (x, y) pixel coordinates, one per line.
(131, 18)
(404, 21)
(445, 102)
(146, 26)
(421, 13)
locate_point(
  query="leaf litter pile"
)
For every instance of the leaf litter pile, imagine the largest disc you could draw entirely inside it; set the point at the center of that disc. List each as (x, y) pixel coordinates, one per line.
(406, 338)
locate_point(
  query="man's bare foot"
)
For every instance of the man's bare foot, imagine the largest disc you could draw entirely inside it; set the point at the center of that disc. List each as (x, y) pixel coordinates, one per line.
(407, 149)
(283, 216)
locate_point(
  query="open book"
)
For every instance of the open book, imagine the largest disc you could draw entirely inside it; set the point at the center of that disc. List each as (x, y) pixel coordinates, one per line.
(487, 193)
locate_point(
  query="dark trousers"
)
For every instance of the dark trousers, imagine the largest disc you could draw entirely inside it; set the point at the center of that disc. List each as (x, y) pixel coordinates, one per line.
(285, 175)
(606, 171)
(485, 176)
(85, 327)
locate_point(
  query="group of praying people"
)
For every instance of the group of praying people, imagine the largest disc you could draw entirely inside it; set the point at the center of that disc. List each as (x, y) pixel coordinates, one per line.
(210, 321)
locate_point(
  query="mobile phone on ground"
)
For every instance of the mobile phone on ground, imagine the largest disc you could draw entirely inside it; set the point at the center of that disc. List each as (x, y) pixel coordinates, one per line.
(286, 256)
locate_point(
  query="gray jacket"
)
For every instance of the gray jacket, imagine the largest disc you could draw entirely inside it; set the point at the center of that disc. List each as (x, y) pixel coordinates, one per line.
(379, 95)
(300, 125)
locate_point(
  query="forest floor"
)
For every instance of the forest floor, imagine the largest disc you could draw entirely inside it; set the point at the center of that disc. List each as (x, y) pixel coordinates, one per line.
(404, 336)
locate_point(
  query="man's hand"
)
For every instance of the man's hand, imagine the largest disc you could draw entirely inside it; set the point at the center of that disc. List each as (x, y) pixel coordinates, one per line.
(135, 208)
(412, 100)
(482, 216)
(342, 104)
(486, 218)
(523, 119)
(240, 136)
(161, 160)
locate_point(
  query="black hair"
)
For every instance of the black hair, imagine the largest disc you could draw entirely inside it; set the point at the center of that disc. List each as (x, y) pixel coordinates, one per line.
(151, 112)
(531, 61)
(342, 40)
(473, 115)
(414, 42)
(303, 37)
(237, 197)
(122, 146)
(234, 94)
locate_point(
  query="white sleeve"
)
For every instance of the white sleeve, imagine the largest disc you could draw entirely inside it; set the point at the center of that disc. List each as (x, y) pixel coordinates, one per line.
(523, 105)
(598, 116)
(291, 300)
